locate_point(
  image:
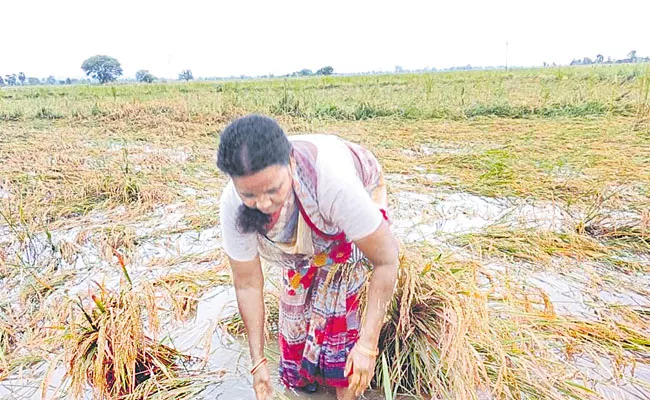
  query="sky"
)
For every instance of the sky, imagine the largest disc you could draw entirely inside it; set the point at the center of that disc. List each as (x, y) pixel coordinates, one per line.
(258, 37)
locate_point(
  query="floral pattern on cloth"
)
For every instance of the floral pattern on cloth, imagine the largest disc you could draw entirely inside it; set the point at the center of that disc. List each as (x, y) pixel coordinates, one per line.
(322, 274)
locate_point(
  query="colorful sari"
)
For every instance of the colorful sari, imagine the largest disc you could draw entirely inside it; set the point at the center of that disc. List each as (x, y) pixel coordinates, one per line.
(322, 275)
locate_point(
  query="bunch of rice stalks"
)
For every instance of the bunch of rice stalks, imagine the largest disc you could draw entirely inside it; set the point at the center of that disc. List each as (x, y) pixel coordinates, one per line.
(449, 335)
(108, 348)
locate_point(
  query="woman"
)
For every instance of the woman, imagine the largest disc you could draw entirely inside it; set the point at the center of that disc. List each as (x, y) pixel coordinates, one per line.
(315, 206)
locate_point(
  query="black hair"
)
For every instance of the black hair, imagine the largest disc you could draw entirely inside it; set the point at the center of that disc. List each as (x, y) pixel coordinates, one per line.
(248, 145)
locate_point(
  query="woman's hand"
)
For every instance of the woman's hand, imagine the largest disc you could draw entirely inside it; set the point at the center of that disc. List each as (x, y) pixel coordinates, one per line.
(262, 383)
(362, 367)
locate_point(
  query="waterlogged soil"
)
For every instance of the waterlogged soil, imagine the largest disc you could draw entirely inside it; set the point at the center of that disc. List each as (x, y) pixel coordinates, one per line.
(164, 241)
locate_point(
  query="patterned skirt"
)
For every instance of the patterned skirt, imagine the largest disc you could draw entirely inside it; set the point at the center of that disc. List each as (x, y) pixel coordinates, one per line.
(319, 321)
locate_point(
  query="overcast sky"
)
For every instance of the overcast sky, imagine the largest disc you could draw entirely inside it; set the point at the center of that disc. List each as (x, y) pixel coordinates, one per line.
(257, 37)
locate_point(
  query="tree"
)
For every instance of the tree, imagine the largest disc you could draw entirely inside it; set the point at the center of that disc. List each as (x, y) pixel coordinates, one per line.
(587, 61)
(68, 81)
(33, 81)
(103, 68)
(186, 75)
(11, 79)
(305, 72)
(2, 81)
(600, 59)
(632, 56)
(144, 76)
(22, 77)
(51, 80)
(325, 71)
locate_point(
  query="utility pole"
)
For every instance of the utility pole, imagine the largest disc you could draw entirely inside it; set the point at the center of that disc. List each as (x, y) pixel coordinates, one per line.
(506, 56)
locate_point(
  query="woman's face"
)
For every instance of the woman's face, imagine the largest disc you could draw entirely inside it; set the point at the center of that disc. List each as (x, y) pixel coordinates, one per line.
(266, 190)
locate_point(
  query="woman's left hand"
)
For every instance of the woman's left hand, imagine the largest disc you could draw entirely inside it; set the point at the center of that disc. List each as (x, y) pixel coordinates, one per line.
(362, 367)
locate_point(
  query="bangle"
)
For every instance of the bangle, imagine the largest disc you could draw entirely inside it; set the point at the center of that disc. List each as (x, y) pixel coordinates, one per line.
(258, 365)
(366, 351)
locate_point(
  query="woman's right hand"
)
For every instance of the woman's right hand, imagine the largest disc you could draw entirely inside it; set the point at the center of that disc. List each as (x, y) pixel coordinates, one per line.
(262, 383)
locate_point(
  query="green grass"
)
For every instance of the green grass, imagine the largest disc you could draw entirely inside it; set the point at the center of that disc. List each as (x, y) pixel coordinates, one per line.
(552, 92)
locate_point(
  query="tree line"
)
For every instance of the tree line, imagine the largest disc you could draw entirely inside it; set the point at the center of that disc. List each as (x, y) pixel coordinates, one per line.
(600, 59)
(20, 79)
(101, 68)
(106, 69)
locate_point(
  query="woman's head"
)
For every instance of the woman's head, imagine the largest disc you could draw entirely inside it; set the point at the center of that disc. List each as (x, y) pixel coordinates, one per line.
(255, 152)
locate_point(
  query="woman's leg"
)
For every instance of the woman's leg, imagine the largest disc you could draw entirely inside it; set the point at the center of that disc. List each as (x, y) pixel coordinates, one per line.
(344, 394)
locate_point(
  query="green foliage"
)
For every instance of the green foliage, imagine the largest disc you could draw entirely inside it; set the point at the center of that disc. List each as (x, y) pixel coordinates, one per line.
(103, 68)
(144, 76)
(330, 111)
(287, 104)
(95, 111)
(11, 79)
(366, 110)
(46, 113)
(325, 71)
(186, 75)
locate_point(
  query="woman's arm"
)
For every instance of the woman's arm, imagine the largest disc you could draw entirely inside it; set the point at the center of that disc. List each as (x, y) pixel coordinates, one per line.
(382, 250)
(249, 289)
